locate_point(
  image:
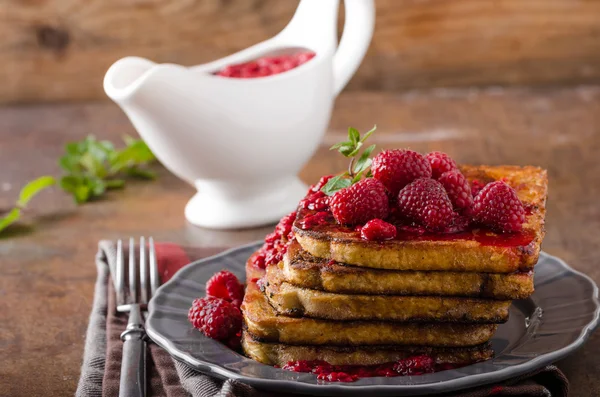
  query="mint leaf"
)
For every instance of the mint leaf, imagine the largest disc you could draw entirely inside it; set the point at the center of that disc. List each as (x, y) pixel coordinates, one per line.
(355, 151)
(114, 183)
(77, 186)
(340, 144)
(72, 148)
(11, 217)
(93, 164)
(347, 150)
(140, 173)
(32, 188)
(96, 186)
(27, 192)
(368, 133)
(353, 135)
(136, 153)
(336, 183)
(364, 161)
(69, 163)
(356, 178)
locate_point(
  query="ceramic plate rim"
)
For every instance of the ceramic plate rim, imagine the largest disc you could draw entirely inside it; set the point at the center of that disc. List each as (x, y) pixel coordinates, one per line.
(467, 381)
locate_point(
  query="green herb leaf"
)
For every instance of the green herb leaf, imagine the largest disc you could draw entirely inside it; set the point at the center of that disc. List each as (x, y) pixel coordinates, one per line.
(27, 192)
(140, 173)
(338, 145)
(356, 178)
(77, 186)
(11, 217)
(347, 150)
(353, 135)
(93, 166)
(364, 161)
(136, 153)
(32, 188)
(97, 186)
(368, 133)
(114, 183)
(355, 151)
(336, 183)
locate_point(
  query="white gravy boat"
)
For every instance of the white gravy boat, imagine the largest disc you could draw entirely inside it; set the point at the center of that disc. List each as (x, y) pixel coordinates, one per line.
(242, 142)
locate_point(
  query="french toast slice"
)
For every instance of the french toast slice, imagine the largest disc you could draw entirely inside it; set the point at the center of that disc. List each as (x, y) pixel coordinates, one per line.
(474, 250)
(291, 300)
(301, 269)
(280, 353)
(262, 321)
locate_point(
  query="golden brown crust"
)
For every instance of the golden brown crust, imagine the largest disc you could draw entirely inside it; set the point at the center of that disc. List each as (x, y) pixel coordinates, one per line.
(488, 252)
(280, 354)
(262, 321)
(291, 300)
(303, 270)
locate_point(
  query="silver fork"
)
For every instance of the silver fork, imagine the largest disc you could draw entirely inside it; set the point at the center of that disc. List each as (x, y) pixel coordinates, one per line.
(134, 300)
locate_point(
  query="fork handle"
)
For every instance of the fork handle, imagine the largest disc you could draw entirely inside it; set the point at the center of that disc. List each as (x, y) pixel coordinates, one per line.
(133, 365)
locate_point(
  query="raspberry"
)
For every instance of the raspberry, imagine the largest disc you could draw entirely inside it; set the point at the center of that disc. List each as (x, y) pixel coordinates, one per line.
(458, 189)
(498, 207)
(215, 317)
(318, 201)
(378, 230)
(322, 182)
(359, 203)
(284, 227)
(225, 285)
(425, 201)
(259, 260)
(440, 163)
(476, 187)
(397, 168)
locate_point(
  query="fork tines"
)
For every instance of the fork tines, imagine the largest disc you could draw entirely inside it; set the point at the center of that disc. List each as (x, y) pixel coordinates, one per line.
(142, 276)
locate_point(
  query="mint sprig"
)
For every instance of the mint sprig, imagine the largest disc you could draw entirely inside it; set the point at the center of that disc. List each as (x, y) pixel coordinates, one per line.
(28, 192)
(357, 168)
(93, 167)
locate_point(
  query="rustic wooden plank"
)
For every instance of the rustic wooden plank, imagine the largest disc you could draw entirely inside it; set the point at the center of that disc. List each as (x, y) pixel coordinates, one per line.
(60, 49)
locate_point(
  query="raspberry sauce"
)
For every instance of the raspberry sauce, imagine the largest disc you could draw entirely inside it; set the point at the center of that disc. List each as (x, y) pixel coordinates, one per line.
(416, 233)
(266, 66)
(320, 218)
(416, 365)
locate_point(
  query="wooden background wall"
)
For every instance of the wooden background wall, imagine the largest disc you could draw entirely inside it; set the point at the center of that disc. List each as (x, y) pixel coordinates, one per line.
(60, 49)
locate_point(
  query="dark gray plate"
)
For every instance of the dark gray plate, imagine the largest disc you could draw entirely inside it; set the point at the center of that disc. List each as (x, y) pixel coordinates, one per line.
(555, 321)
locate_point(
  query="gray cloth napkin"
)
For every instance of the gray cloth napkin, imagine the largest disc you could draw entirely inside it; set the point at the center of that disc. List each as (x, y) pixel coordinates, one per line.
(100, 370)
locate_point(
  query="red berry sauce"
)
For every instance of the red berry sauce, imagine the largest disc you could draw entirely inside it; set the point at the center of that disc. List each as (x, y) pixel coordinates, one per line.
(316, 219)
(318, 201)
(416, 365)
(266, 66)
(276, 243)
(459, 230)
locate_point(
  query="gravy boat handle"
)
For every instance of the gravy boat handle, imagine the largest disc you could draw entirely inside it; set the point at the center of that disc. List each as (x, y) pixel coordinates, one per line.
(358, 31)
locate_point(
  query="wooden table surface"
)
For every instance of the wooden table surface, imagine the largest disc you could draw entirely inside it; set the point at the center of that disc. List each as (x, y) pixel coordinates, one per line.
(47, 270)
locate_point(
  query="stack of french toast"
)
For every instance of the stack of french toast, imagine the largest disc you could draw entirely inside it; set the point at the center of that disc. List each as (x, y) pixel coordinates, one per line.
(320, 290)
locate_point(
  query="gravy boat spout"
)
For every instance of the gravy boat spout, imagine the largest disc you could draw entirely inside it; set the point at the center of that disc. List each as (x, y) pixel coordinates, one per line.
(240, 142)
